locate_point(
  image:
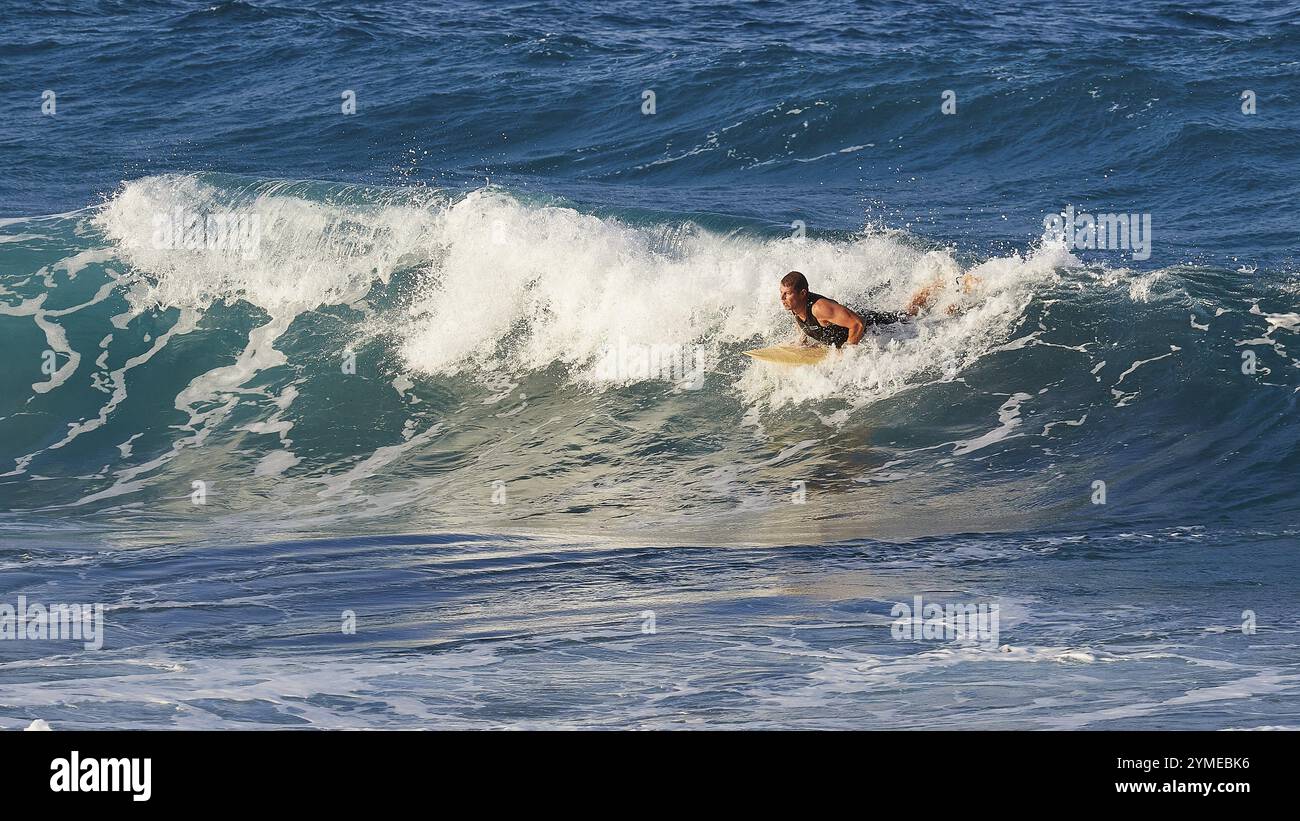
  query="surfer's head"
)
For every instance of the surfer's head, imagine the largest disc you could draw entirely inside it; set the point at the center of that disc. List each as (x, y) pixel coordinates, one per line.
(794, 291)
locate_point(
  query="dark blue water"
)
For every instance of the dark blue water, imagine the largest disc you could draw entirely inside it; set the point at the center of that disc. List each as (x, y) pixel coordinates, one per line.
(423, 388)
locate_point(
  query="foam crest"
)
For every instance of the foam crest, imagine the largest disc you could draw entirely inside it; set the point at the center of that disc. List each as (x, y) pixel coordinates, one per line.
(289, 252)
(523, 287)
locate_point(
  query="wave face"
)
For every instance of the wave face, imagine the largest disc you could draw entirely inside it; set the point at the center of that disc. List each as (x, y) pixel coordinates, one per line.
(387, 355)
(485, 387)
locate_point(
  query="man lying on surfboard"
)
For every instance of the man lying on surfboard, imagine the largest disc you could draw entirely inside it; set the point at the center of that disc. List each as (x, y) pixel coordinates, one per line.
(824, 320)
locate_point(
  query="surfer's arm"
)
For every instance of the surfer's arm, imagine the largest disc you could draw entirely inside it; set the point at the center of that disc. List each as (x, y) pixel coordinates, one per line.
(828, 310)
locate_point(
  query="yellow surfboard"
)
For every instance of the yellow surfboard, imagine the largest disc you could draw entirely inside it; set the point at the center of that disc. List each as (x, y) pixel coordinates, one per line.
(791, 354)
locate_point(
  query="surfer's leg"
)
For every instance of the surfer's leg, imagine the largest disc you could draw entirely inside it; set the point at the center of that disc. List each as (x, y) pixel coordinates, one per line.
(923, 297)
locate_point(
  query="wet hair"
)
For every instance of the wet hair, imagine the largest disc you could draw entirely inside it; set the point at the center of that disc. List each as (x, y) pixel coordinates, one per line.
(795, 280)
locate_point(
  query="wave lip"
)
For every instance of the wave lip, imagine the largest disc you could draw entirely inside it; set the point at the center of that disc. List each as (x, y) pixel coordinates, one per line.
(306, 251)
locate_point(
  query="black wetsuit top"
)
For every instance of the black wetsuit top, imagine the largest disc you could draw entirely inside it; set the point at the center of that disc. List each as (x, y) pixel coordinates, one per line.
(837, 335)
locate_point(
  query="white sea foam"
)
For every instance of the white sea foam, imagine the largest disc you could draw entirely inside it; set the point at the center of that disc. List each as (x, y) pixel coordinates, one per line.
(310, 253)
(510, 287)
(564, 286)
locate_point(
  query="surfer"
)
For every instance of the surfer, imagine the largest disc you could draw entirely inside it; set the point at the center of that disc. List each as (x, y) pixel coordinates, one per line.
(824, 320)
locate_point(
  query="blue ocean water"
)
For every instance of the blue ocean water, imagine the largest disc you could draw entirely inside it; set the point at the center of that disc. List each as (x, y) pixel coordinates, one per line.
(453, 427)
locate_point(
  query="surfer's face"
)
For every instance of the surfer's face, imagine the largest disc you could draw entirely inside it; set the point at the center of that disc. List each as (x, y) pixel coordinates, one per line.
(792, 299)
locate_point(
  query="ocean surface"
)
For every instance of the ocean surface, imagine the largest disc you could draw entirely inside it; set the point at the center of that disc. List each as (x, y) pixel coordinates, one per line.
(453, 428)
